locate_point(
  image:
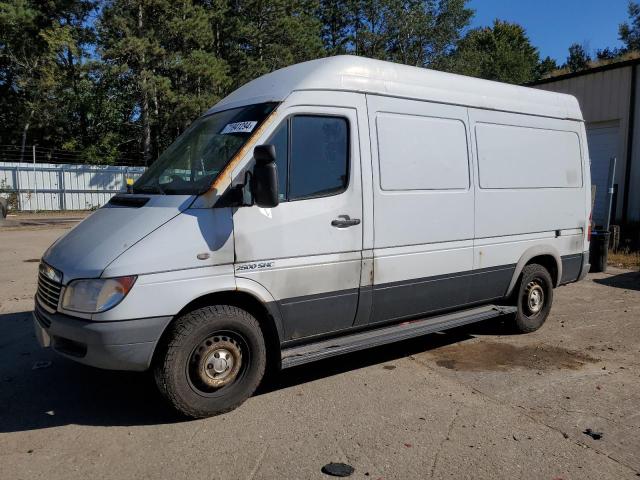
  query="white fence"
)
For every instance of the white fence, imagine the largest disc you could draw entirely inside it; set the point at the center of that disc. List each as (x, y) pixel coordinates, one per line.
(50, 186)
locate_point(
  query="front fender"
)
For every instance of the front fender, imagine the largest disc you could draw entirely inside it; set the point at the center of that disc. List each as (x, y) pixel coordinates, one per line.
(260, 293)
(167, 293)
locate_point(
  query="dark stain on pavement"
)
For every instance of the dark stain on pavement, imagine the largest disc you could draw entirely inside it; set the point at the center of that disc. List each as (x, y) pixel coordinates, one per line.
(493, 356)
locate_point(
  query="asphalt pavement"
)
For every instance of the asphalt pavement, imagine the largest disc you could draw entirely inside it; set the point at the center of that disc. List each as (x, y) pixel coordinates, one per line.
(470, 403)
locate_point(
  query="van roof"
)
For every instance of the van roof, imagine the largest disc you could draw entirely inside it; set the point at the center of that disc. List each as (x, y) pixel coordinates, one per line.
(365, 75)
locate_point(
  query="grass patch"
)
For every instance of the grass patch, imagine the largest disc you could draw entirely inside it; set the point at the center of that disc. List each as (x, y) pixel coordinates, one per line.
(624, 259)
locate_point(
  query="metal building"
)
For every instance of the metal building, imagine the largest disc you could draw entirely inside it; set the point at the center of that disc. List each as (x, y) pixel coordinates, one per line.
(609, 98)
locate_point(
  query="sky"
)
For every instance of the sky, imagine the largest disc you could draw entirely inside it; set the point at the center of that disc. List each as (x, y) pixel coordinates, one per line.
(553, 25)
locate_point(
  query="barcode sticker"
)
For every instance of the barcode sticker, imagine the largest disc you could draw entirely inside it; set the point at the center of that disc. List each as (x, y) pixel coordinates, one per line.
(239, 127)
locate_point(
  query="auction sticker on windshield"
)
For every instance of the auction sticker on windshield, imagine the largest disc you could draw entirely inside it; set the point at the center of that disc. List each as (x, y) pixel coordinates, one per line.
(239, 127)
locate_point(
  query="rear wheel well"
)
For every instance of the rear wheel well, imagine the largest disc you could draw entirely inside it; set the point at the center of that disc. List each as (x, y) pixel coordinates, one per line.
(247, 302)
(548, 262)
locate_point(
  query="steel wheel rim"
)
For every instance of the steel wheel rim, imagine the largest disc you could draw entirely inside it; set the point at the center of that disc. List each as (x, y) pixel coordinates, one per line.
(217, 363)
(534, 297)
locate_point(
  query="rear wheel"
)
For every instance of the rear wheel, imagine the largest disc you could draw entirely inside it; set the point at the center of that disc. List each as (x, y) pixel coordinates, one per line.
(534, 296)
(213, 360)
(3, 208)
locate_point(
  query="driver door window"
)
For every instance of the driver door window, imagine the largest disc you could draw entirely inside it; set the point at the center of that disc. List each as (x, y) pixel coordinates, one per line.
(312, 155)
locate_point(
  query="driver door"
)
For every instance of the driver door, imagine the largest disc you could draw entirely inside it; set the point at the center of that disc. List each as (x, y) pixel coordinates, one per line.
(307, 251)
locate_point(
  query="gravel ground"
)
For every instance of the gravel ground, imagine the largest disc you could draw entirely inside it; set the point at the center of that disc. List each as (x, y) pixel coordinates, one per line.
(470, 403)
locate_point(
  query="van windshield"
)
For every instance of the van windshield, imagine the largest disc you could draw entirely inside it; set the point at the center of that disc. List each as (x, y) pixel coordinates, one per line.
(194, 160)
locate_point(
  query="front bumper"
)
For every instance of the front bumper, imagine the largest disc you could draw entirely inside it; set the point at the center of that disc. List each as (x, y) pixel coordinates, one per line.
(122, 345)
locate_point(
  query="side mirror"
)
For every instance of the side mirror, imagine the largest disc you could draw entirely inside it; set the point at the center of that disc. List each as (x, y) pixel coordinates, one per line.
(264, 181)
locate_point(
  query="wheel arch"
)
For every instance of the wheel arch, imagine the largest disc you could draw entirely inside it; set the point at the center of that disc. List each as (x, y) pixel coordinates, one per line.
(249, 297)
(545, 255)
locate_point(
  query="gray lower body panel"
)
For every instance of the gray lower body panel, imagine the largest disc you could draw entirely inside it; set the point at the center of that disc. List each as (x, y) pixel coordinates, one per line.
(314, 314)
(586, 266)
(334, 311)
(419, 296)
(123, 345)
(423, 296)
(572, 266)
(331, 312)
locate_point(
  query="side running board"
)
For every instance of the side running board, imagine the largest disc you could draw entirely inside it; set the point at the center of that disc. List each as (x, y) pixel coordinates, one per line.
(295, 356)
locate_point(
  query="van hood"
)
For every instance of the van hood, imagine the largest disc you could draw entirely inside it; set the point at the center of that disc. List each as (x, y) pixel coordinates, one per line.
(87, 249)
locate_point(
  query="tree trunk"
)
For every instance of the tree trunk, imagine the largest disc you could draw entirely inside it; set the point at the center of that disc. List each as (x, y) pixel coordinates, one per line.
(146, 124)
(25, 130)
(146, 121)
(73, 75)
(156, 112)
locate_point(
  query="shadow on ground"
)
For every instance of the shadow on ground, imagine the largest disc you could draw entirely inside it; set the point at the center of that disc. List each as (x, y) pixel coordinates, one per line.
(62, 392)
(628, 281)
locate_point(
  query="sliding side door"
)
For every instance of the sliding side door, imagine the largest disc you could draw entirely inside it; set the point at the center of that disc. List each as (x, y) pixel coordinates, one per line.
(423, 207)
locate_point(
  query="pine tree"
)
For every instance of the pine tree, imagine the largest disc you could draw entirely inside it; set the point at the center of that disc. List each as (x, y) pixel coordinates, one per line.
(578, 58)
(264, 35)
(630, 32)
(502, 52)
(43, 50)
(546, 66)
(167, 51)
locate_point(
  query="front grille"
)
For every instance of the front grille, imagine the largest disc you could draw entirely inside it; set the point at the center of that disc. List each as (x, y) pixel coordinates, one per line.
(42, 320)
(48, 292)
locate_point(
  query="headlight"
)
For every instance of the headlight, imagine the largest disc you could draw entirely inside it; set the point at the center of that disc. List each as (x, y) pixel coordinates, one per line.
(96, 295)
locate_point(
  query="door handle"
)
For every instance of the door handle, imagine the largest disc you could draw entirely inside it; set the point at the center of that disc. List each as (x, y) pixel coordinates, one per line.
(344, 221)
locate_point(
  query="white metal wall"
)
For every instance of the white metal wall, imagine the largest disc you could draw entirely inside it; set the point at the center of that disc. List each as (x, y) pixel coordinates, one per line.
(48, 186)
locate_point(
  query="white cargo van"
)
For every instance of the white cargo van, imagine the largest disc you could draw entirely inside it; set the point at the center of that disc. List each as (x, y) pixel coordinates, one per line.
(324, 208)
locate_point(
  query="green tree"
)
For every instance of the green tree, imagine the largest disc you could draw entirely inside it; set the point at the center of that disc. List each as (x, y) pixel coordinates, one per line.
(609, 53)
(167, 51)
(127, 84)
(264, 35)
(336, 17)
(414, 32)
(43, 53)
(629, 33)
(502, 52)
(546, 66)
(578, 58)
(422, 33)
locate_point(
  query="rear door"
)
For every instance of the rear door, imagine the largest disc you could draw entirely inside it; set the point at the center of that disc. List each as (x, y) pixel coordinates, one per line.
(307, 251)
(423, 207)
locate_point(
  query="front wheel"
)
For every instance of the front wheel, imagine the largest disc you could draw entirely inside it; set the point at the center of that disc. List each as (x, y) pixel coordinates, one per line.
(534, 298)
(213, 359)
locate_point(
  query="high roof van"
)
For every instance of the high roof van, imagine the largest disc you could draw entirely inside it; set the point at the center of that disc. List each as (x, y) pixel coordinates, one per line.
(324, 208)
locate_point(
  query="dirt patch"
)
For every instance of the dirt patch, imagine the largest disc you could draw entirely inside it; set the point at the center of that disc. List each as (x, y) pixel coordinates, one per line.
(493, 356)
(16, 223)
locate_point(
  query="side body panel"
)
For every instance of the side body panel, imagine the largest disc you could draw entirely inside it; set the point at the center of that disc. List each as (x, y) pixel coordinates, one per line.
(311, 268)
(423, 222)
(530, 196)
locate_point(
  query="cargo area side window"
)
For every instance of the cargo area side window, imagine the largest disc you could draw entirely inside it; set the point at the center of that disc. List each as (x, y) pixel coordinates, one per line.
(550, 158)
(312, 154)
(422, 153)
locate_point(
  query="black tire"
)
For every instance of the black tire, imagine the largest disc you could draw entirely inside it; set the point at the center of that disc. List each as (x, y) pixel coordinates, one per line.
(184, 367)
(3, 209)
(534, 297)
